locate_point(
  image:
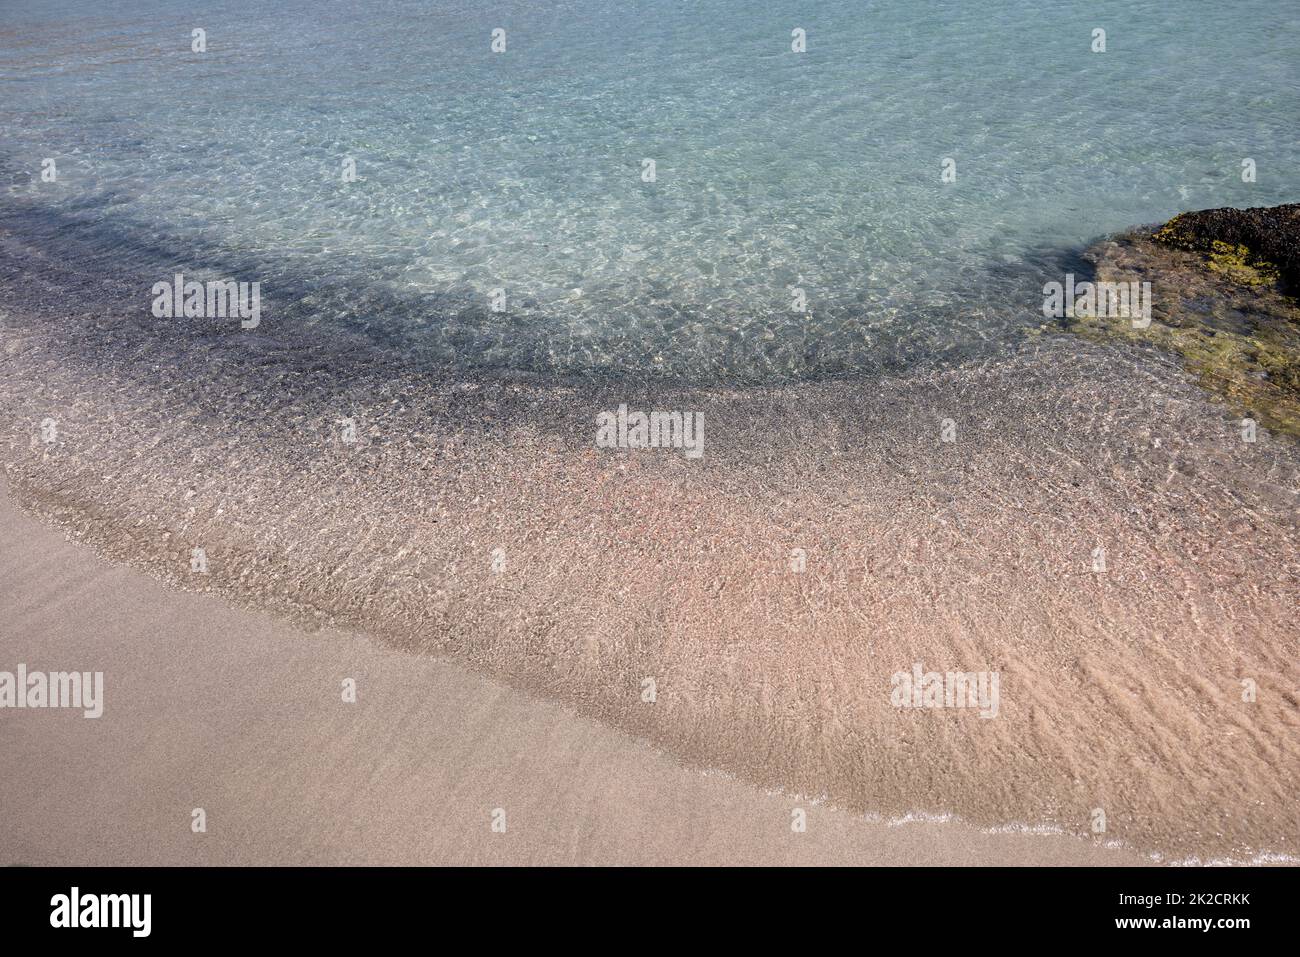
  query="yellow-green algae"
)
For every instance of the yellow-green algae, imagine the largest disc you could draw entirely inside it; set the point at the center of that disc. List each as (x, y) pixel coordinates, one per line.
(1221, 308)
(1248, 236)
(1239, 265)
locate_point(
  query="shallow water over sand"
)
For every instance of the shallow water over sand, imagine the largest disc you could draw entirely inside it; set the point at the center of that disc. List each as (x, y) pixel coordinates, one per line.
(522, 171)
(475, 517)
(900, 477)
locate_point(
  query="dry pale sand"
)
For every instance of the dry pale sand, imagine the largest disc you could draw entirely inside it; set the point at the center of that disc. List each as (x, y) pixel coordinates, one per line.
(241, 714)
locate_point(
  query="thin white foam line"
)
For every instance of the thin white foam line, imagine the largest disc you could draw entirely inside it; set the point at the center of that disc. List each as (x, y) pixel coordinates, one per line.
(920, 817)
(1015, 827)
(1260, 859)
(1012, 827)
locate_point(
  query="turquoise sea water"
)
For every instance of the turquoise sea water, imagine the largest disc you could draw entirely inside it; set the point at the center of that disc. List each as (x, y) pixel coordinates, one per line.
(522, 170)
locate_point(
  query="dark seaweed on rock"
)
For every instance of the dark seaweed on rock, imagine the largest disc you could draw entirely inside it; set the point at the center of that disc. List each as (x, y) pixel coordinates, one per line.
(1269, 234)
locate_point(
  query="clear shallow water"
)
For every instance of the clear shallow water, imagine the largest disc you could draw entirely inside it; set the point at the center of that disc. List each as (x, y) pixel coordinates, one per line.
(522, 170)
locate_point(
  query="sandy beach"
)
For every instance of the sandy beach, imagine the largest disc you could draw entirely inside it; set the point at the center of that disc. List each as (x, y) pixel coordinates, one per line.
(664, 428)
(1096, 532)
(240, 714)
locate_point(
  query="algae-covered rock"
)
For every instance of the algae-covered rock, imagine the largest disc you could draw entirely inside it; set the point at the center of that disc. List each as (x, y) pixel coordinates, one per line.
(1264, 241)
(1224, 286)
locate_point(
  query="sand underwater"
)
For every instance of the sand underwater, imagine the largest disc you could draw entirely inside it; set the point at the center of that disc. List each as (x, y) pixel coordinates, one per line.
(828, 539)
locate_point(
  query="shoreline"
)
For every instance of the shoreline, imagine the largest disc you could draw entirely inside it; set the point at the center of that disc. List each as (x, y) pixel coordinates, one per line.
(238, 712)
(837, 435)
(831, 536)
(625, 565)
